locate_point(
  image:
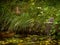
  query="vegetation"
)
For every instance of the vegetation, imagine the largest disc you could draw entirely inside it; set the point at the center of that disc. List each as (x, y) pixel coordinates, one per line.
(34, 22)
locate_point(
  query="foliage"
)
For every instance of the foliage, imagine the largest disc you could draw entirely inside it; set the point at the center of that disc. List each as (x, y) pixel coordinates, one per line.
(36, 16)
